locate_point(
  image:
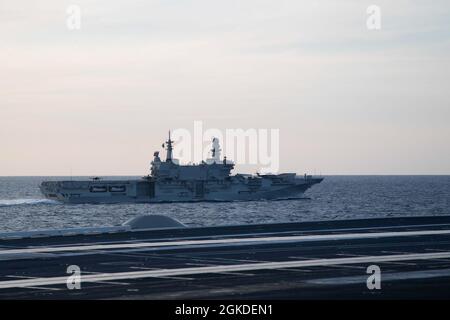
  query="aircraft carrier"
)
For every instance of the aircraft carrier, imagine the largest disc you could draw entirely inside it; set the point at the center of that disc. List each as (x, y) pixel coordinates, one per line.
(154, 257)
(168, 181)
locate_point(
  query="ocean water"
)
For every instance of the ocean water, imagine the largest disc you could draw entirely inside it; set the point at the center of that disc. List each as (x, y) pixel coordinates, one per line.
(337, 197)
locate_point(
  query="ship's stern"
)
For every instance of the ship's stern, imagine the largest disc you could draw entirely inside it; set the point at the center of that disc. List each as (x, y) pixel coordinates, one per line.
(51, 190)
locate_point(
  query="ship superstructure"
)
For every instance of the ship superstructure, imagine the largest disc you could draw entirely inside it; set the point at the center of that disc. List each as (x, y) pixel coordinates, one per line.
(168, 181)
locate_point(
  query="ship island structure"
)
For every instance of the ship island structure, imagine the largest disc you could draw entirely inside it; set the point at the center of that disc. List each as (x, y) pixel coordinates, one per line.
(168, 181)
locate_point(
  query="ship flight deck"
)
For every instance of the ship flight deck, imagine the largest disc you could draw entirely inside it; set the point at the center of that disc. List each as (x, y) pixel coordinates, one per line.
(306, 260)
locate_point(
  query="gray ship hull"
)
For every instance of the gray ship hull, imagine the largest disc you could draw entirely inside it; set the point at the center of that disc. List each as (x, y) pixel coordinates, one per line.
(171, 182)
(145, 191)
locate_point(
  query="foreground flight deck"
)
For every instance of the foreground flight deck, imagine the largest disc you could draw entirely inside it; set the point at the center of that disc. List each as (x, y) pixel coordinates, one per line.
(318, 260)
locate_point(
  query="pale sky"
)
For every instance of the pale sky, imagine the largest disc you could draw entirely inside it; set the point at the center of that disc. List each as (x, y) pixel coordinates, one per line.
(347, 100)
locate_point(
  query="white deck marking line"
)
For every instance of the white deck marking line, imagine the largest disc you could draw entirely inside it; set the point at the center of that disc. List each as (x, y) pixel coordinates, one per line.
(144, 268)
(352, 267)
(294, 270)
(235, 260)
(218, 269)
(236, 274)
(442, 260)
(254, 240)
(301, 231)
(403, 263)
(112, 283)
(371, 228)
(394, 252)
(200, 264)
(46, 288)
(351, 255)
(387, 276)
(177, 278)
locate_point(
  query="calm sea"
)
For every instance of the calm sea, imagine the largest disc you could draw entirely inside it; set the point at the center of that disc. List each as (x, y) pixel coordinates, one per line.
(337, 197)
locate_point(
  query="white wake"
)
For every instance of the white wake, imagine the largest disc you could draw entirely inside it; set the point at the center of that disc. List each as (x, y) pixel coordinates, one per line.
(18, 202)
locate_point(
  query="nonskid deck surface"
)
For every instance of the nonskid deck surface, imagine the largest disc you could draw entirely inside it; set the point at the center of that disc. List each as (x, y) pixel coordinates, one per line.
(295, 261)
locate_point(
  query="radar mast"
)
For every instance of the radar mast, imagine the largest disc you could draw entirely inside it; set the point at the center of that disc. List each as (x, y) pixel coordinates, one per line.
(215, 151)
(169, 149)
